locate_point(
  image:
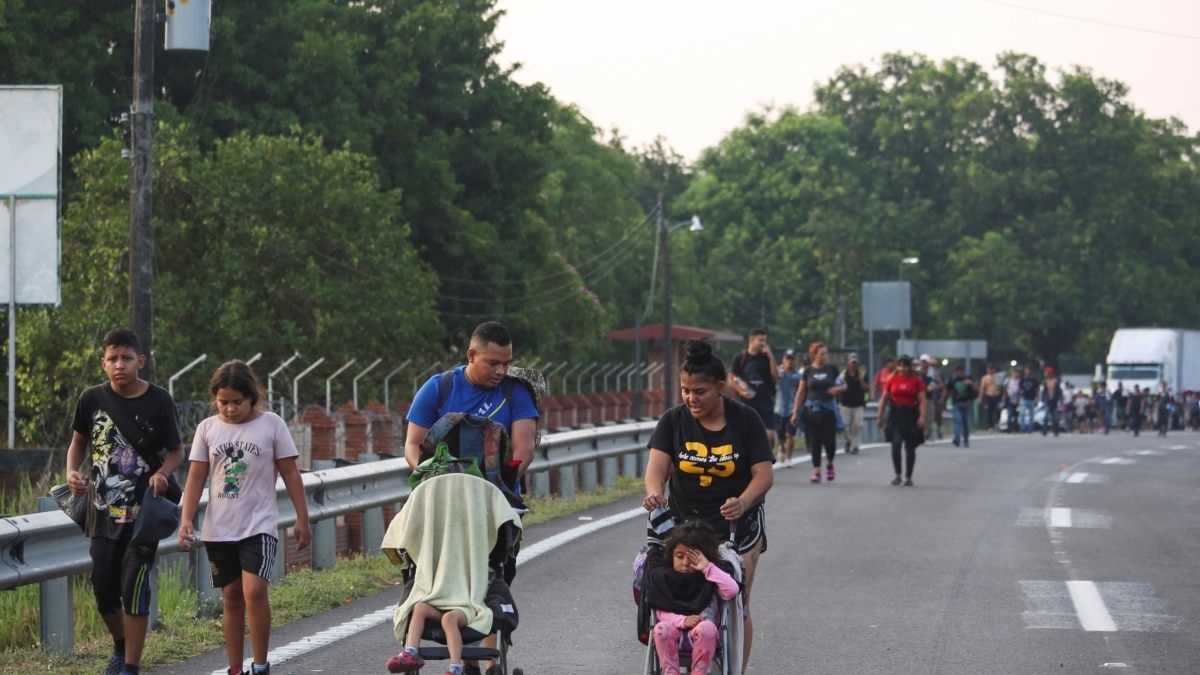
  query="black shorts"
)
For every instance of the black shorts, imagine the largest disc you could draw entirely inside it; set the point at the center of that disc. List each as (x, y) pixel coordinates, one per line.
(228, 559)
(784, 426)
(765, 410)
(121, 575)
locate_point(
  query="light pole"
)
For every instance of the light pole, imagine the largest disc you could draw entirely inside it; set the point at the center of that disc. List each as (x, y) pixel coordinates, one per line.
(663, 229)
(903, 262)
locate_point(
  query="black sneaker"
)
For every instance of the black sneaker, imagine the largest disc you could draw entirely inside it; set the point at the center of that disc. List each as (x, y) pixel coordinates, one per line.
(472, 670)
(116, 663)
(252, 671)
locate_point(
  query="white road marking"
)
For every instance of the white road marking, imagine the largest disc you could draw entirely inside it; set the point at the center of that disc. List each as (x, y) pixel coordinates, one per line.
(1123, 461)
(330, 635)
(1077, 477)
(1089, 606)
(1060, 517)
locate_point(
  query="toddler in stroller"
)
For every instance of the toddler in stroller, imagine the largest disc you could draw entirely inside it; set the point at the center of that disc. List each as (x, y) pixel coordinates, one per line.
(456, 538)
(686, 587)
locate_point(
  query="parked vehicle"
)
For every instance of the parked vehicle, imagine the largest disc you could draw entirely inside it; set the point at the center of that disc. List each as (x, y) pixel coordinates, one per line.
(1148, 356)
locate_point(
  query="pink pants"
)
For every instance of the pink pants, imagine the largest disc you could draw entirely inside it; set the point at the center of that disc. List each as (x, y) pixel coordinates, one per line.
(704, 644)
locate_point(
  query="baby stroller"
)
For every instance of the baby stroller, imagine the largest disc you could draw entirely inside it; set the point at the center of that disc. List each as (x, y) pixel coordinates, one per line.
(456, 539)
(728, 657)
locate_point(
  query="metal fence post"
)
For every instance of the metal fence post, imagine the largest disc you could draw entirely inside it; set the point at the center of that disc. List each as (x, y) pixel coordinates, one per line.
(386, 399)
(296, 382)
(373, 526)
(329, 384)
(358, 377)
(271, 382)
(57, 629)
(324, 532)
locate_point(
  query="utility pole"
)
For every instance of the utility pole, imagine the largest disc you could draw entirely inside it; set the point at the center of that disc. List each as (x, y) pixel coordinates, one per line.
(141, 228)
(668, 351)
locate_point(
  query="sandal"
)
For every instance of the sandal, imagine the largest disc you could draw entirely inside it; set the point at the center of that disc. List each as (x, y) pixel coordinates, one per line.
(405, 662)
(908, 483)
(829, 473)
(896, 480)
(816, 478)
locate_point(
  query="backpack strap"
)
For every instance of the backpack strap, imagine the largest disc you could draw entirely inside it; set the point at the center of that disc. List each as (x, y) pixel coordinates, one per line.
(445, 384)
(139, 438)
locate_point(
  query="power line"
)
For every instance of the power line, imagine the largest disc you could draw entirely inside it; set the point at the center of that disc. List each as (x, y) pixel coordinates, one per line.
(1038, 10)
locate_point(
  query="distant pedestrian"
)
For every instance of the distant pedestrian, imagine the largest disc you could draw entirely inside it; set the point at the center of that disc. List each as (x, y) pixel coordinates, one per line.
(1102, 405)
(243, 448)
(815, 403)
(785, 401)
(933, 392)
(962, 394)
(1162, 414)
(1052, 398)
(1028, 391)
(990, 396)
(904, 397)
(1136, 410)
(853, 402)
(753, 375)
(881, 378)
(1012, 399)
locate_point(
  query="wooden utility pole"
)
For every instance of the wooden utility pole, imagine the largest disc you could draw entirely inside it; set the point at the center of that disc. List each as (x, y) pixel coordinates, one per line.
(141, 228)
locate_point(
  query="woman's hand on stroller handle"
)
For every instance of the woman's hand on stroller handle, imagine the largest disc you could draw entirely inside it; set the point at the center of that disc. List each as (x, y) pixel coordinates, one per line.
(654, 501)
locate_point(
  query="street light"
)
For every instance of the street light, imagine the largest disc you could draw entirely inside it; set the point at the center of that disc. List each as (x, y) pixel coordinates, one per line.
(903, 262)
(664, 229)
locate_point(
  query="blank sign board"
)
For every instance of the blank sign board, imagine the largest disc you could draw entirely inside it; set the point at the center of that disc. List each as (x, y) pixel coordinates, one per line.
(886, 305)
(30, 156)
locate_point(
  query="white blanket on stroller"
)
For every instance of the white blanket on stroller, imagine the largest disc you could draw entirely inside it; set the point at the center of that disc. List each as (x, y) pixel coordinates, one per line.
(447, 528)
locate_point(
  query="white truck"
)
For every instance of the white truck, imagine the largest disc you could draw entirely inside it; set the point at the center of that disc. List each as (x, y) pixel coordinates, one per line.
(1148, 356)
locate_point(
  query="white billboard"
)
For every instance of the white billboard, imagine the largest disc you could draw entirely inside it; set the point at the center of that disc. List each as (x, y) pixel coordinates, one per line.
(30, 173)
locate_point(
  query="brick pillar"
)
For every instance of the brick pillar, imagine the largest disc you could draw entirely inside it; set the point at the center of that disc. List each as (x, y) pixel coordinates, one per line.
(381, 428)
(324, 433)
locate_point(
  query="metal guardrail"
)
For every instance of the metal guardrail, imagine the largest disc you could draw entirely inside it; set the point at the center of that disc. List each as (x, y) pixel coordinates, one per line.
(46, 548)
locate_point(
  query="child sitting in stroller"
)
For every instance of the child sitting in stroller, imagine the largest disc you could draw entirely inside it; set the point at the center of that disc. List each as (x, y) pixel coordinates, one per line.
(680, 586)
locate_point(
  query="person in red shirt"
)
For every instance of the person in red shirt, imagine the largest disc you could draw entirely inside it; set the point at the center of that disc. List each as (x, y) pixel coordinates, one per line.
(905, 423)
(881, 377)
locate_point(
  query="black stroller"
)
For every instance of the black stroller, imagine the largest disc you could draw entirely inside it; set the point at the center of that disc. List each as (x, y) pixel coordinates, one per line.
(728, 656)
(456, 539)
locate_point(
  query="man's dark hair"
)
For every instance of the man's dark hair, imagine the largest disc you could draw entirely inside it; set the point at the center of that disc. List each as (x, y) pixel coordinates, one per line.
(122, 337)
(755, 332)
(889, 360)
(491, 332)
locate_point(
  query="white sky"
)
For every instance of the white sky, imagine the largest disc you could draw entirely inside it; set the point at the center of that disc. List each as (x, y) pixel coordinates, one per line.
(689, 70)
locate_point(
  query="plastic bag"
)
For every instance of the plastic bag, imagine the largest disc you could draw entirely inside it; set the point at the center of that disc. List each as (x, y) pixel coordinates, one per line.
(75, 506)
(443, 463)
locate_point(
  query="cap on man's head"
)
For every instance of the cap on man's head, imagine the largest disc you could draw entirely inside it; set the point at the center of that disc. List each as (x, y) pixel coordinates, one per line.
(1049, 370)
(959, 366)
(790, 354)
(853, 358)
(926, 357)
(904, 360)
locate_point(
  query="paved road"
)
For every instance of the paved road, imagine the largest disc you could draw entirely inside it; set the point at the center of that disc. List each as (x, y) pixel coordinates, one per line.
(1018, 555)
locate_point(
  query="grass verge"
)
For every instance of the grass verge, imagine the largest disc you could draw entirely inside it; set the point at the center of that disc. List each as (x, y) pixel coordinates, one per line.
(183, 632)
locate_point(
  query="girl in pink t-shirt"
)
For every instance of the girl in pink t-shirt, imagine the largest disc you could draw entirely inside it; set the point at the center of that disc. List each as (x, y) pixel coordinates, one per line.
(680, 588)
(242, 449)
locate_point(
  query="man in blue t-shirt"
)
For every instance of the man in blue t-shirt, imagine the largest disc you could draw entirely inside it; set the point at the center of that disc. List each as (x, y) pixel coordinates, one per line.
(476, 390)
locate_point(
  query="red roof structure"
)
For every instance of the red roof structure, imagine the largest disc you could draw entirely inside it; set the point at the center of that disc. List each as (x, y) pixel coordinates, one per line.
(654, 331)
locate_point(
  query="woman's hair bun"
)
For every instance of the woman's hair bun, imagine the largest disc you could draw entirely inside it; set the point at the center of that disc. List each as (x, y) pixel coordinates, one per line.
(698, 352)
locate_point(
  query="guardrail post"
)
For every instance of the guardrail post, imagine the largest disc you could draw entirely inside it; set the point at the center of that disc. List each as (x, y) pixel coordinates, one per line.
(566, 482)
(57, 630)
(629, 464)
(324, 532)
(540, 483)
(208, 599)
(609, 472)
(587, 476)
(372, 521)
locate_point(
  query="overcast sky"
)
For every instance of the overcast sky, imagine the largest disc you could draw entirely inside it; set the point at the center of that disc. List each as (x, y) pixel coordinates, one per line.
(689, 70)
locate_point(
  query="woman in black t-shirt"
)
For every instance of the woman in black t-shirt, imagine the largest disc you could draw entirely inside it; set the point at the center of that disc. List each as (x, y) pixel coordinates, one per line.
(714, 454)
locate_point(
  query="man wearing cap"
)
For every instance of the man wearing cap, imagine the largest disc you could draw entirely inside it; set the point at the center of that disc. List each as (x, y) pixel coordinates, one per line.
(785, 401)
(853, 401)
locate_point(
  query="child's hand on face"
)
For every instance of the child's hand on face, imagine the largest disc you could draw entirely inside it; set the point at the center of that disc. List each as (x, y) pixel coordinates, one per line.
(696, 560)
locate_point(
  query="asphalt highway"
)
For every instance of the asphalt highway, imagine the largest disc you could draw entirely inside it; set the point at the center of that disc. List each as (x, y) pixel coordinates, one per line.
(1020, 554)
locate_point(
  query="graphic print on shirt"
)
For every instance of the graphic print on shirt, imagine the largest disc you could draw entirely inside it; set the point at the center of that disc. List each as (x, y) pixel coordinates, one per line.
(116, 467)
(232, 457)
(708, 463)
